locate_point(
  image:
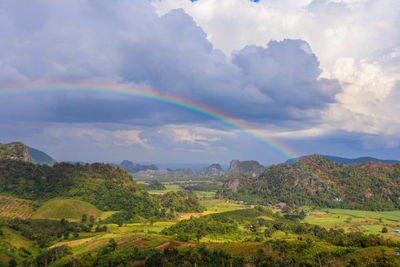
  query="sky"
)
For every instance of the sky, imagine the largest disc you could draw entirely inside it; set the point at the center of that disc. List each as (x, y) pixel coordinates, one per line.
(309, 76)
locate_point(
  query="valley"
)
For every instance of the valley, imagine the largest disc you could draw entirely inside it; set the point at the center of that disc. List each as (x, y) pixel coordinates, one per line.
(98, 215)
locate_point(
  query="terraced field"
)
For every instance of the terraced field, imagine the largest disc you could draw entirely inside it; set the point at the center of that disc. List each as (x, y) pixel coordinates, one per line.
(11, 207)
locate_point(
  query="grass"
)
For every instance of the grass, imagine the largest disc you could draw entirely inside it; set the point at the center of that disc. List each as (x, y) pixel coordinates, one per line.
(169, 188)
(71, 209)
(389, 215)
(355, 220)
(221, 205)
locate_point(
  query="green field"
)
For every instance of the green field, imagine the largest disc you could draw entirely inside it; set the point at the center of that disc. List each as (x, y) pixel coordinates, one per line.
(389, 215)
(71, 209)
(356, 220)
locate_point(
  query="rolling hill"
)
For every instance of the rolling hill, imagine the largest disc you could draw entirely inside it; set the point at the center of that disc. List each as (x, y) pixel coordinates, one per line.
(316, 181)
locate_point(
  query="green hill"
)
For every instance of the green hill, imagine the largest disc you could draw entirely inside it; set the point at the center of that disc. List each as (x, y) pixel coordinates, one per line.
(71, 209)
(316, 181)
(105, 186)
(181, 201)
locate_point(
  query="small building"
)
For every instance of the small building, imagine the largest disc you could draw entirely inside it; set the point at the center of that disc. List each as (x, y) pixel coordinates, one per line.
(398, 253)
(307, 214)
(397, 231)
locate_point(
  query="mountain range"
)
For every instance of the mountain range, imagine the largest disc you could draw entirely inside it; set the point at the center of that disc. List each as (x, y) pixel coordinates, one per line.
(351, 160)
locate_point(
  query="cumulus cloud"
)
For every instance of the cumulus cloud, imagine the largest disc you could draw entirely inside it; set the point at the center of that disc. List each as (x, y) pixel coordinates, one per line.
(127, 42)
(356, 41)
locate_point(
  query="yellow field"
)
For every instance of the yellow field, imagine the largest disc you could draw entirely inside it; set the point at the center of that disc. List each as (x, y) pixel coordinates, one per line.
(11, 207)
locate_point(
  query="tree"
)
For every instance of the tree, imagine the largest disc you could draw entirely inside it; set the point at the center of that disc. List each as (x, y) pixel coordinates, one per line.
(12, 263)
(384, 230)
(91, 219)
(84, 218)
(112, 244)
(198, 236)
(66, 235)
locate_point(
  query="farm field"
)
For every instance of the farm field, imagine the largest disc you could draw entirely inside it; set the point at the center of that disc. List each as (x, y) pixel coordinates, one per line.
(390, 215)
(12, 207)
(169, 188)
(54, 209)
(356, 220)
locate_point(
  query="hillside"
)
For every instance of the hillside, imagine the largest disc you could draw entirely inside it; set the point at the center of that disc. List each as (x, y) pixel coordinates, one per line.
(105, 186)
(316, 181)
(15, 151)
(252, 168)
(214, 170)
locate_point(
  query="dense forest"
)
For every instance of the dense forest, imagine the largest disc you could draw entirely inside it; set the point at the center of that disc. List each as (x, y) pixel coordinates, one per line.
(181, 201)
(318, 182)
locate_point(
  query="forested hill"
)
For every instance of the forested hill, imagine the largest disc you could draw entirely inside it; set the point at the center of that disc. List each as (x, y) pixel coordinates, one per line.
(316, 181)
(105, 186)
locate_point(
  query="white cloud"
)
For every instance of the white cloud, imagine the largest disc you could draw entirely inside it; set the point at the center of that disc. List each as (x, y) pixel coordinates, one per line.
(104, 138)
(356, 41)
(131, 137)
(187, 136)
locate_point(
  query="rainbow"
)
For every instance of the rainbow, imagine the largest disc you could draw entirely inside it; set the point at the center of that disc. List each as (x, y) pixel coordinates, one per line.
(145, 94)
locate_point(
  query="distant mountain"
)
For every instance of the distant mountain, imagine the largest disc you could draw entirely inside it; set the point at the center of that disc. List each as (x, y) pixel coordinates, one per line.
(214, 170)
(165, 175)
(351, 161)
(237, 168)
(317, 181)
(131, 167)
(357, 160)
(15, 151)
(39, 157)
